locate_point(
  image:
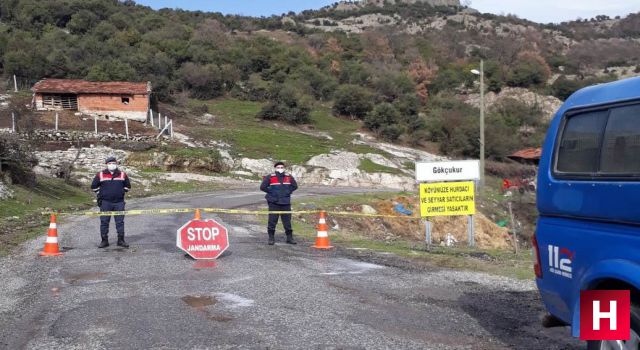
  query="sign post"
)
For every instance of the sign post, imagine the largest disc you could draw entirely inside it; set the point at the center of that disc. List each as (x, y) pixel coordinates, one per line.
(443, 194)
(203, 239)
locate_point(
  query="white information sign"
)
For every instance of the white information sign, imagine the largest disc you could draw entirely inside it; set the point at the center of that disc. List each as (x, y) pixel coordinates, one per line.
(454, 170)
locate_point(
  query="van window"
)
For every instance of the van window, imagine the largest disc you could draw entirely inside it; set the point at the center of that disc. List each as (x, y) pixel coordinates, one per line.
(579, 150)
(621, 147)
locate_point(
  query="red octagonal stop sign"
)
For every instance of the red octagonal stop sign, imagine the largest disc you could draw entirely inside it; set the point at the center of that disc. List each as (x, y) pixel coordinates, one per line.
(203, 239)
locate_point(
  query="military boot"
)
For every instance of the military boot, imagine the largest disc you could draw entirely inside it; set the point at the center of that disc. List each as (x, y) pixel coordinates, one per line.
(103, 244)
(290, 238)
(272, 238)
(122, 243)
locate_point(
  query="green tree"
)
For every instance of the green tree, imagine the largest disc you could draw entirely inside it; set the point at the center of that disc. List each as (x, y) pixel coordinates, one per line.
(82, 22)
(353, 101)
(562, 88)
(287, 105)
(530, 69)
(382, 115)
(202, 81)
(111, 71)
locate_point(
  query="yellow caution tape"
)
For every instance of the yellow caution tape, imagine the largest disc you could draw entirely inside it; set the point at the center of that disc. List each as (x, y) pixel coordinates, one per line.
(347, 213)
(174, 211)
(222, 211)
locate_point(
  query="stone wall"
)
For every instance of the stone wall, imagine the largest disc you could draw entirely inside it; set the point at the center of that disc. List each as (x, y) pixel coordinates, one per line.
(52, 135)
(90, 159)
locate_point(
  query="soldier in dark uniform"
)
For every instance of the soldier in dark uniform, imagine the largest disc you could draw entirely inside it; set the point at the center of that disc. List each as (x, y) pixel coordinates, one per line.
(110, 185)
(279, 187)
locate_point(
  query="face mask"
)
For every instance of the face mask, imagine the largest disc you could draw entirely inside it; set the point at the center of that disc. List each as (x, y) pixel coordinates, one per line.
(280, 170)
(112, 167)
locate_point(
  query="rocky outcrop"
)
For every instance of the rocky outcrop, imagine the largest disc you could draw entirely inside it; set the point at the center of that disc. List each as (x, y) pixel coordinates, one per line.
(352, 178)
(5, 191)
(4, 101)
(257, 166)
(90, 159)
(429, 2)
(402, 154)
(342, 169)
(171, 162)
(549, 105)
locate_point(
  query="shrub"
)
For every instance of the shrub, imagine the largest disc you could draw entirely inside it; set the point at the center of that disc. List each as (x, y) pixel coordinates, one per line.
(289, 106)
(203, 81)
(382, 115)
(353, 101)
(391, 132)
(562, 88)
(530, 69)
(17, 159)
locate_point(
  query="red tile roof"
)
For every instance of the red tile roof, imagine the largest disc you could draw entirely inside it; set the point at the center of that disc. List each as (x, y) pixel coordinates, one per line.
(89, 87)
(528, 153)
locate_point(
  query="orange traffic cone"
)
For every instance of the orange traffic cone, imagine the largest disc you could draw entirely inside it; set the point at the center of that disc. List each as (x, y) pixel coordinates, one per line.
(198, 216)
(51, 244)
(322, 240)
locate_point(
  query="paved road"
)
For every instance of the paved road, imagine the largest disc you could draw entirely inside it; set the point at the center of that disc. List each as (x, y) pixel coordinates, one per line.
(255, 297)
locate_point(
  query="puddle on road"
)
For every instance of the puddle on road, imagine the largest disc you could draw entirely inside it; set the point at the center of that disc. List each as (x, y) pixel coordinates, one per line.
(349, 267)
(199, 301)
(84, 276)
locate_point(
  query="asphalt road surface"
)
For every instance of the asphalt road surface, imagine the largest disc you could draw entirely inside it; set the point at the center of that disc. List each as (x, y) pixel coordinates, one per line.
(255, 296)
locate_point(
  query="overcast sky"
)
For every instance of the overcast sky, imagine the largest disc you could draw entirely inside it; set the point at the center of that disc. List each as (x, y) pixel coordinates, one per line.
(543, 11)
(546, 11)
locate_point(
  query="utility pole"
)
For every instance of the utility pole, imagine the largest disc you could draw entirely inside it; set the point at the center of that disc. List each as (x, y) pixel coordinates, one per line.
(481, 123)
(481, 74)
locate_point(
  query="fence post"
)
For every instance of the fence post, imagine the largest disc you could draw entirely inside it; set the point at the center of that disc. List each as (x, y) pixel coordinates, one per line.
(513, 227)
(159, 120)
(56, 121)
(126, 127)
(13, 122)
(15, 84)
(151, 115)
(95, 124)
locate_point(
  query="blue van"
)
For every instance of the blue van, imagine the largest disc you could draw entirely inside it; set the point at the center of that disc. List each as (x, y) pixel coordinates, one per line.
(588, 231)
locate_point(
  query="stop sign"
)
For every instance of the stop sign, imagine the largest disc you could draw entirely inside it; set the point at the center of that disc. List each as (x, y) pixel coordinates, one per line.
(203, 239)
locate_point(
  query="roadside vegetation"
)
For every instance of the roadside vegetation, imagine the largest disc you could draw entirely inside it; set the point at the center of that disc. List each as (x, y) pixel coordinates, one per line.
(355, 235)
(400, 87)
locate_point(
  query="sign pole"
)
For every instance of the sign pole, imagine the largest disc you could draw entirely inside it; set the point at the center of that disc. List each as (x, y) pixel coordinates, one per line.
(427, 234)
(470, 224)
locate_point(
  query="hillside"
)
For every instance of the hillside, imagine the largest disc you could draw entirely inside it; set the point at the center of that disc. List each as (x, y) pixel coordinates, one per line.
(351, 94)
